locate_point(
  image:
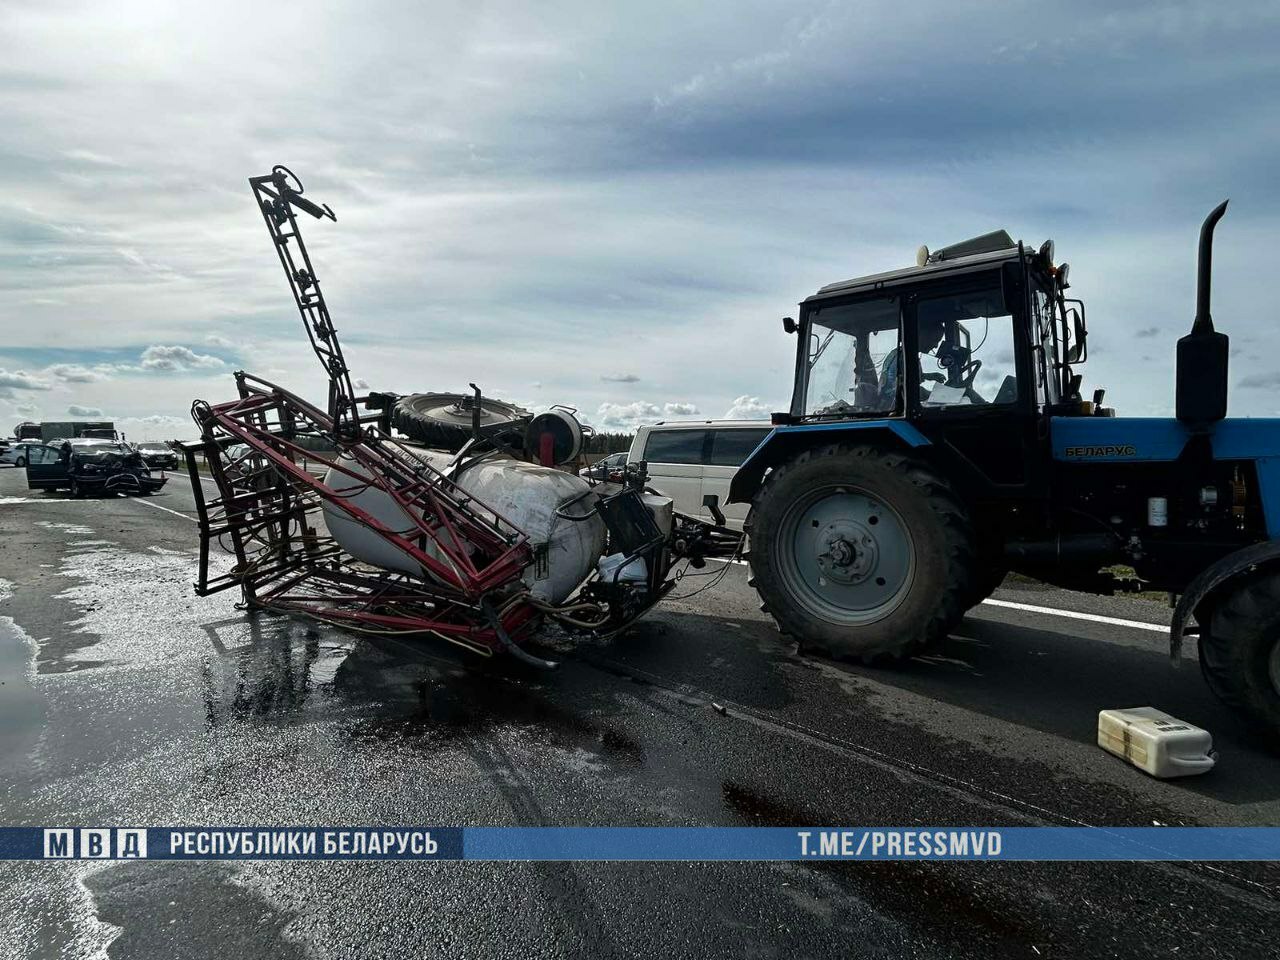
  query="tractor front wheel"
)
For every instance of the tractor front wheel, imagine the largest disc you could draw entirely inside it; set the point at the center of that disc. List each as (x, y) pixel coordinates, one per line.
(860, 552)
(1240, 653)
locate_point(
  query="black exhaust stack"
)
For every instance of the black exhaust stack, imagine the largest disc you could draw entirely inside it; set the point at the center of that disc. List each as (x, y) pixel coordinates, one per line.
(1201, 398)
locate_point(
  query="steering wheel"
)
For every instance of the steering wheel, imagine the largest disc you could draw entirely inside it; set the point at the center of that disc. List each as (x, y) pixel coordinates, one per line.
(972, 374)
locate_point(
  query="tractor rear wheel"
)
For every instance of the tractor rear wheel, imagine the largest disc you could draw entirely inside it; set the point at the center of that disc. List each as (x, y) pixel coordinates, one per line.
(860, 552)
(986, 580)
(1240, 654)
(1214, 656)
(443, 421)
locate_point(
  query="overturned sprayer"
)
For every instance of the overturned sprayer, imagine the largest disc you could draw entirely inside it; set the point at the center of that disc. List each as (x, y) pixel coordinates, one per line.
(328, 515)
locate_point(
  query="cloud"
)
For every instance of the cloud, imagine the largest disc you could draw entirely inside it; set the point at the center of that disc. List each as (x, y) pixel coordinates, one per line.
(1147, 332)
(620, 378)
(175, 358)
(360, 383)
(1260, 381)
(214, 340)
(78, 411)
(748, 408)
(26, 409)
(679, 409)
(74, 373)
(21, 380)
(627, 416)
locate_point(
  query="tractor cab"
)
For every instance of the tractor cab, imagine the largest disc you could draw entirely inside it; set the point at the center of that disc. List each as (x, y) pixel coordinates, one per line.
(978, 328)
(973, 348)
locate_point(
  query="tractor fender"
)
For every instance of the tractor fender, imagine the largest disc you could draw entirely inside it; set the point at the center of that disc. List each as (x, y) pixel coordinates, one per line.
(783, 442)
(1213, 578)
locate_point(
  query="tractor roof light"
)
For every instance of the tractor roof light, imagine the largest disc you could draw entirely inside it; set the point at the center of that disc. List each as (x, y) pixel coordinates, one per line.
(1046, 255)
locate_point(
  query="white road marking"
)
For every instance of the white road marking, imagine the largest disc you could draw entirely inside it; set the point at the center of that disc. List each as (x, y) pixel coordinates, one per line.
(1049, 611)
(157, 506)
(1077, 615)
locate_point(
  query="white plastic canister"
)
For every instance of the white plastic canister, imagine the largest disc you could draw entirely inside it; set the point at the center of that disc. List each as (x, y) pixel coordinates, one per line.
(1153, 741)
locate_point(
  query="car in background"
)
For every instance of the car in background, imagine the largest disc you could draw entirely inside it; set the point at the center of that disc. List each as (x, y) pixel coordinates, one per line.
(86, 466)
(158, 456)
(610, 468)
(689, 461)
(15, 453)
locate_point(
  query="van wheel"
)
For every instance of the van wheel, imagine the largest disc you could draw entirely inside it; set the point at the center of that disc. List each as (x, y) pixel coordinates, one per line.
(21, 462)
(860, 552)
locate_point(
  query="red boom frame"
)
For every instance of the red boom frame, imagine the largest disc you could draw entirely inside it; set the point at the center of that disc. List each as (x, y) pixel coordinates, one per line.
(260, 451)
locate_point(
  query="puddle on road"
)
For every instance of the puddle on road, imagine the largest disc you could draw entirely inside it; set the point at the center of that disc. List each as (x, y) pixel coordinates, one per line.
(48, 904)
(762, 811)
(187, 909)
(22, 708)
(424, 698)
(269, 667)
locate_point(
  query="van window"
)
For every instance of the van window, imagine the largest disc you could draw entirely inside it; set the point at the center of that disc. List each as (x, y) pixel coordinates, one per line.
(675, 446)
(730, 447)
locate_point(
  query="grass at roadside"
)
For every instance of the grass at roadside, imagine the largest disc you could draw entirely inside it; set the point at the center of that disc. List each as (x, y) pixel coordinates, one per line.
(1149, 596)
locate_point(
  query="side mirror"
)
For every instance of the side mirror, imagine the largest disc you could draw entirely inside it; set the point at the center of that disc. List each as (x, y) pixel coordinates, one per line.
(1079, 350)
(789, 324)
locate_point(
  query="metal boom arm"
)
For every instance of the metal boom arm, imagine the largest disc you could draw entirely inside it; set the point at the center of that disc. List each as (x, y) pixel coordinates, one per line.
(278, 194)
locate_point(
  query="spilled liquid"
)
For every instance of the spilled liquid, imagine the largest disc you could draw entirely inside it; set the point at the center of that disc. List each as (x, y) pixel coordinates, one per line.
(22, 708)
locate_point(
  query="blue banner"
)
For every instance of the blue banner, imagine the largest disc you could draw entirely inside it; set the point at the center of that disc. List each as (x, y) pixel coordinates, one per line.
(639, 843)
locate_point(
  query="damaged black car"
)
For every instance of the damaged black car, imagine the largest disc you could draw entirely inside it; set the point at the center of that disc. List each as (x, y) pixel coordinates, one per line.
(87, 466)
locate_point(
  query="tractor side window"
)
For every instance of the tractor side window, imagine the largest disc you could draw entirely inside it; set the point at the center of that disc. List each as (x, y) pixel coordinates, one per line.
(853, 351)
(966, 350)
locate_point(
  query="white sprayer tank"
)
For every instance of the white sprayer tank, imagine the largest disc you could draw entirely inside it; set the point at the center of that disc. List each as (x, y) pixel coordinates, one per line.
(526, 494)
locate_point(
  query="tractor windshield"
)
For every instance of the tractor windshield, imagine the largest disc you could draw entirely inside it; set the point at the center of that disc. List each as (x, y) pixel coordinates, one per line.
(852, 359)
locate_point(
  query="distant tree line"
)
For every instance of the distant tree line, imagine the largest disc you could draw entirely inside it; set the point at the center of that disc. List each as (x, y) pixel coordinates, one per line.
(602, 442)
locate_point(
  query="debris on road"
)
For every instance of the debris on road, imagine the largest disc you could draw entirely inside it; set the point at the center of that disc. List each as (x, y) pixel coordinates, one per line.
(1155, 742)
(478, 533)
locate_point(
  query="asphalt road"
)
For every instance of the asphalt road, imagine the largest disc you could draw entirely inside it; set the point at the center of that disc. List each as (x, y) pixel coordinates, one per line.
(125, 699)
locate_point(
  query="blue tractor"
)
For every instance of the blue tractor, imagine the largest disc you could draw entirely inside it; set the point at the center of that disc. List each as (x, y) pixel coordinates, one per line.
(937, 439)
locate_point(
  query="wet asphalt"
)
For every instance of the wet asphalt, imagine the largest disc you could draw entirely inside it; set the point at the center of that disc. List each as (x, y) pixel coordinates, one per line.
(125, 699)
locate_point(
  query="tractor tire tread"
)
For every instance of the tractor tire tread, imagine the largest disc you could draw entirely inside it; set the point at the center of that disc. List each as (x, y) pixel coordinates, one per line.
(1236, 643)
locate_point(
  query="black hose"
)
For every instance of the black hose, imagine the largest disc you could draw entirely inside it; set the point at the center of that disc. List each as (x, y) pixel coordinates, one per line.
(508, 644)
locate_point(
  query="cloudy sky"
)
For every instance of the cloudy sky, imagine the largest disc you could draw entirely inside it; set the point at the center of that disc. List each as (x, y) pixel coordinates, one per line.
(607, 205)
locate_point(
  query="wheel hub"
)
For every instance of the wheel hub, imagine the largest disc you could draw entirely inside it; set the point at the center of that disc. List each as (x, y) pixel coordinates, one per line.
(847, 551)
(845, 555)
